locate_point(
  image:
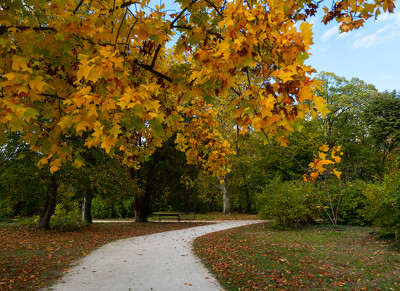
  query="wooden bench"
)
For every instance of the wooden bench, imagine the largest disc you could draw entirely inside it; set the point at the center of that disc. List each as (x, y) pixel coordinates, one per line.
(172, 215)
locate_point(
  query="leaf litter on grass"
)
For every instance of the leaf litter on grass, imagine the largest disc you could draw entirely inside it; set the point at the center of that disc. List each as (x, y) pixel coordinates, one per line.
(254, 257)
(31, 259)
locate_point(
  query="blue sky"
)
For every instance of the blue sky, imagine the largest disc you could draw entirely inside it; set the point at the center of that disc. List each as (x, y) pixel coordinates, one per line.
(371, 53)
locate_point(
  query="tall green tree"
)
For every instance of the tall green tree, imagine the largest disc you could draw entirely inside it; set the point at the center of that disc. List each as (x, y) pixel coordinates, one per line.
(166, 182)
(382, 115)
(21, 183)
(345, 125)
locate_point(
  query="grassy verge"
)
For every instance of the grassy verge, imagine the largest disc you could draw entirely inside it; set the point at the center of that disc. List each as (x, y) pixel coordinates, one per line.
(31, 259)
(316, 257)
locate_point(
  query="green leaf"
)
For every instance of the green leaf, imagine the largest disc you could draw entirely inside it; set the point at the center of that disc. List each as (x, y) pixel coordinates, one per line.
(31, 113)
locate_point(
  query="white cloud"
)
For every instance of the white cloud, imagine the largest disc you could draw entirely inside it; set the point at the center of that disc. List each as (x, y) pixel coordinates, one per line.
(385, 17)
(369, 40)
(331, 32)
(344, 35)
(387, 33)
(390, 29)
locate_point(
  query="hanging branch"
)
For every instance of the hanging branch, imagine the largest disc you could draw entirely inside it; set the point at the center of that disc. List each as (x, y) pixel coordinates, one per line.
(150, 69)
(79, 5)
(119, 28)
(4, 29)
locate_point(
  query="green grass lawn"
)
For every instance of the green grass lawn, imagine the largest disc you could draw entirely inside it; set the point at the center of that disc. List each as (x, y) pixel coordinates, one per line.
(313, 258)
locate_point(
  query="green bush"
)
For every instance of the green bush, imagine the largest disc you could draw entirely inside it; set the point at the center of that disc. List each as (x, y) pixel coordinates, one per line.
(7, 207)
(389, 215)
(383, 205)
(352, 201)
(107, 208)
(288, 203)
(66, 218)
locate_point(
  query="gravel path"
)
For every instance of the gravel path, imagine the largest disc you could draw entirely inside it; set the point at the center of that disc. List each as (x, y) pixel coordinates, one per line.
(161, 261)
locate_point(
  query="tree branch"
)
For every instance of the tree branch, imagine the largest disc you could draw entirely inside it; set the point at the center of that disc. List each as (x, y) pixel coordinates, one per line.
(215, 7)
(119, 28)
(52, 96)
(182, 27)
(123, 5)
(211, 183)
(150, 69)
(182, 12)
(4, 29)
(129, 34)
(79, 5)
(153, 62)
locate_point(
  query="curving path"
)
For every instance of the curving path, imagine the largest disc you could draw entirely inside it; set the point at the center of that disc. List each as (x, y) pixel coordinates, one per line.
(161, 261)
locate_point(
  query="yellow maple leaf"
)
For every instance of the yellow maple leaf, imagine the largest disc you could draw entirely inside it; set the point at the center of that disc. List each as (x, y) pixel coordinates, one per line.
(337, 159)
(65, 122)
(306, 30)
(322, 156)
(11, 76)
(37, 83)
(115, 130)
(55, 165)
(337, 173)
(319, 102)
(93, 75)
(79, 163)
(82, 126)
(324, 148)
(283, 141)
(20, 63)
(108, 144)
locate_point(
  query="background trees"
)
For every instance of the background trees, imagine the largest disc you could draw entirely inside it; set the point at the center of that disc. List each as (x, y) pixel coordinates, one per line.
(124, 78)
(346, 124)
(21, 184)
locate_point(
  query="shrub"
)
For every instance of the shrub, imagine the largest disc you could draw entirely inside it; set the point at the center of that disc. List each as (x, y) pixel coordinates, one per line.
(66, 218)
(352, 201)
(7, 208)
(288, 203)
(383, 205)
(107, 208)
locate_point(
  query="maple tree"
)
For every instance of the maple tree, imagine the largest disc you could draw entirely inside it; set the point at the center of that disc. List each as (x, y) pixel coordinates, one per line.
(105, 71)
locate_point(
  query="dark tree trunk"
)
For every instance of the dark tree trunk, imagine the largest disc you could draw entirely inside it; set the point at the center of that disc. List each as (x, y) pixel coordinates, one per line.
(87, 208)
(49, 205)
(141, 203)
(141, 207)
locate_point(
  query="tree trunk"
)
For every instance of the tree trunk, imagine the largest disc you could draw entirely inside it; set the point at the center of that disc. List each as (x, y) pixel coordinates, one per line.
(49, 205)
(225, 195)
(141, 209)
(87, 208)
(141, 206)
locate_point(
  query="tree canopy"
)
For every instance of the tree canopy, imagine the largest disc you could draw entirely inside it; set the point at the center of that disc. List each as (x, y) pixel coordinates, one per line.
(125, 75)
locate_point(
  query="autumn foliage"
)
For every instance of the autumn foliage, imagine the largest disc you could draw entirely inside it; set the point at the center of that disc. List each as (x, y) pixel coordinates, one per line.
(124, 76)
